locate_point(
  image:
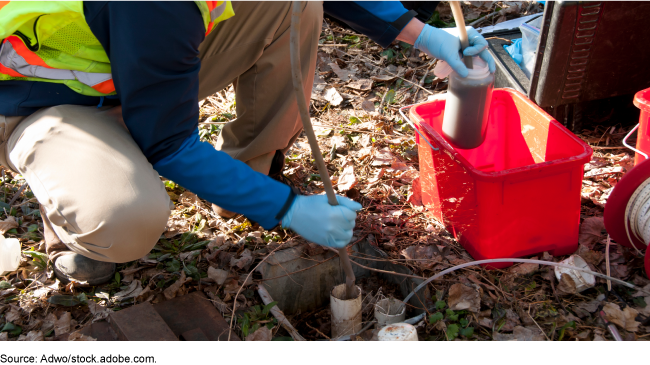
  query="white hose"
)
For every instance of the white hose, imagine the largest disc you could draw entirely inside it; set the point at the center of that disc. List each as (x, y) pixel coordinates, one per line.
(548, 263)
(637, 215)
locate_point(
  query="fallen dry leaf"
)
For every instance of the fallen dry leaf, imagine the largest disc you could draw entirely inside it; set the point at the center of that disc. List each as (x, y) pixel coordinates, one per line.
(415, 195)
(408, 176)
(344, 75)
(99, 312)
(8, 224)
(48, 322)
(590, 231)
(624, 318)
(363, 85)
(348, 179)
(261, 334)
(13, 315)
(524, 269)
(604, 171)
(368, 106)
(188, 199)
(77, 336)
(244, 261)
(218, 303)
(4, 336)
(566, 286)
(383, 78)
(592, 305)
(463, 297)
(172, 290)
(383, 157)
(332, 96)
(217, 275)
(62, 324)
(419, 252)
(35, 336)
(134, 289)
(519, 333)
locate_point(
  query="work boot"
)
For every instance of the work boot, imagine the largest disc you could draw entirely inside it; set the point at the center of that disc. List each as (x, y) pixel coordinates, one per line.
(70, 265)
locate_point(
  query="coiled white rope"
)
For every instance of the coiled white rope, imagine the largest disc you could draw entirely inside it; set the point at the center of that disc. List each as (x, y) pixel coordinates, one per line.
(637, 215)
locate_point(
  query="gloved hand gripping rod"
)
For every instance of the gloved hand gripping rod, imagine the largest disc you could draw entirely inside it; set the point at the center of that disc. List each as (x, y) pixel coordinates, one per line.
(296, 74)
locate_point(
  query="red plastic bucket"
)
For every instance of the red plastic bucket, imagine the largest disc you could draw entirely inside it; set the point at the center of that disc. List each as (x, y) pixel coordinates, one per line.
(518, 194)
(642, 101)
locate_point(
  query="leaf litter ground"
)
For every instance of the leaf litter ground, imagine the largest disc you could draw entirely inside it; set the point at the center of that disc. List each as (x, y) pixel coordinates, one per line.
(372, 158)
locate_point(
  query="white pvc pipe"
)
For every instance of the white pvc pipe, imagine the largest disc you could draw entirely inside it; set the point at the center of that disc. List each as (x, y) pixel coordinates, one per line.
(346, 313)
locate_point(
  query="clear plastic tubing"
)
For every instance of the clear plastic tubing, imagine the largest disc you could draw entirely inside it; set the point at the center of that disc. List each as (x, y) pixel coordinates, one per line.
(468, 106)
(548, 263)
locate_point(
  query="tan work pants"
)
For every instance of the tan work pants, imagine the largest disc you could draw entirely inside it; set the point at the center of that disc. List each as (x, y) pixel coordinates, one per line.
(102, 196)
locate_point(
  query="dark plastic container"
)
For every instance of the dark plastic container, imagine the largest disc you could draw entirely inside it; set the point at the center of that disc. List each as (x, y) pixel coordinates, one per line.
(587, 51)
(517, 194)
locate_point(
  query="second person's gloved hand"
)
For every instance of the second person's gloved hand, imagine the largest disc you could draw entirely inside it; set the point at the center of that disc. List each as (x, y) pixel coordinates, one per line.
(313, 218)
(444, 44)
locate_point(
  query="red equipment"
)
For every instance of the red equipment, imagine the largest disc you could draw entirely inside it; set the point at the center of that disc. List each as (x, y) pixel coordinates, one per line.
(518, 193)
(618, 204)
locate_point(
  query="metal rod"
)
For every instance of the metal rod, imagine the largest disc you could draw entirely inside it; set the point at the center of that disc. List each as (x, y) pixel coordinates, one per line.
(630, 147)
(296, 75)
(401, 111)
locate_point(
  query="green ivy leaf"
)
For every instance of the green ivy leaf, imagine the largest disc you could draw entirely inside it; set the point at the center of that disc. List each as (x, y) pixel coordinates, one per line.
(440, 304)
(192, 272)
(82, 298)
(173, 265)
(639, 301)
(451, 315)
(352, 38)
(463, 322)
(197, 246)
(571, 324)
(467, 332)
(389, 54)
(267, 308)
(452, 332)
(32, 228)
(64, 300)
(390, 96)
(12, 329)
(4, 285)
(435, 317)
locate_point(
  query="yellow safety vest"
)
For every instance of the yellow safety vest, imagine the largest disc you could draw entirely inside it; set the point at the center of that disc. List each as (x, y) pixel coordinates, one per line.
(50, 41)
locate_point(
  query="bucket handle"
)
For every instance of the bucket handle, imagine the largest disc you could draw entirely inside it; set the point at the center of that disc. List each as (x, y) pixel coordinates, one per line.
(630, 147)
(401, 111)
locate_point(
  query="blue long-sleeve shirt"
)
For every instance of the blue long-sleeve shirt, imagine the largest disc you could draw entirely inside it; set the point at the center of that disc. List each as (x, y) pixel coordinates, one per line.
(155, 68)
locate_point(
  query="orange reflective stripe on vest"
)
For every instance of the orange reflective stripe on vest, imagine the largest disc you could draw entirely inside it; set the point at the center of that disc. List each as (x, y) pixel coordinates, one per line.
(17, 60)
(216, 10)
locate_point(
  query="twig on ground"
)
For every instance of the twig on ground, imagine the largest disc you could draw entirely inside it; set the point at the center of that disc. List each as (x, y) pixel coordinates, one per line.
(477, 21)
(536, 324)
(15, 197)
(317, 331)
(277, 313)
(234, 303)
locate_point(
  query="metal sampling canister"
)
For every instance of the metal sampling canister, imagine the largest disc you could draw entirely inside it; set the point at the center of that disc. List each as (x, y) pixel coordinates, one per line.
(468, 106)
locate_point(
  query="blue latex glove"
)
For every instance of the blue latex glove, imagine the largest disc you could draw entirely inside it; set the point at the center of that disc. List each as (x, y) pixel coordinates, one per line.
(313, 218)
(514, 50)
(444, 44)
